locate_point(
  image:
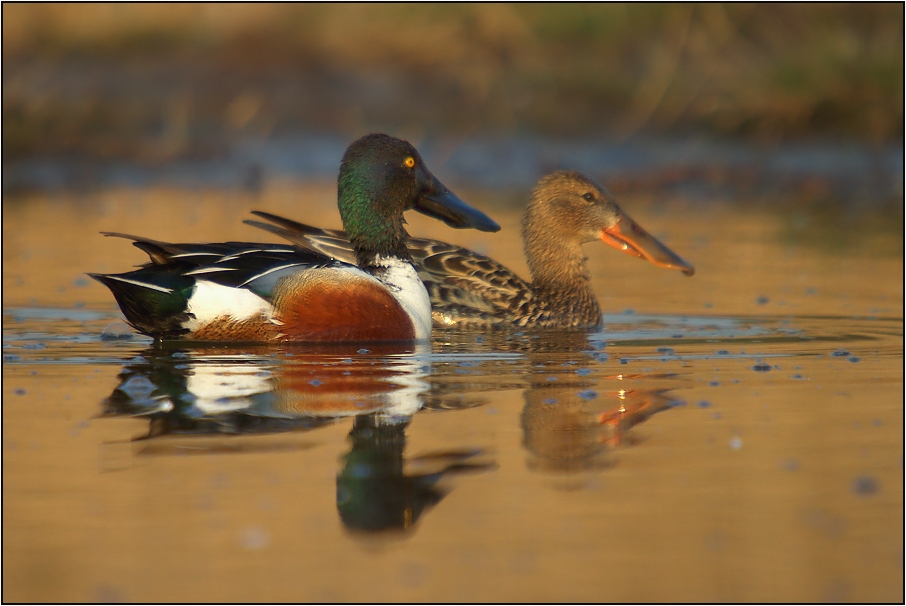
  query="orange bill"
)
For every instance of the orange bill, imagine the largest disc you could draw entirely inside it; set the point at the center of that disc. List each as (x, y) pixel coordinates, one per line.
(628, 236)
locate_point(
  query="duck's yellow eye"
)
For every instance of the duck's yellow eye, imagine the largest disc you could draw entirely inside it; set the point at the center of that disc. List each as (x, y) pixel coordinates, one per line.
(409, 162)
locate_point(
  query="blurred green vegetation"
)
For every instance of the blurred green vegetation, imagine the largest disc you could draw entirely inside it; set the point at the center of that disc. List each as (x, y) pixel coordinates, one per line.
(158, 80)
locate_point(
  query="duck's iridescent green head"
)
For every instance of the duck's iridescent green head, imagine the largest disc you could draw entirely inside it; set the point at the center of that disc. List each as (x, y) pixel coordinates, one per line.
(380, 178)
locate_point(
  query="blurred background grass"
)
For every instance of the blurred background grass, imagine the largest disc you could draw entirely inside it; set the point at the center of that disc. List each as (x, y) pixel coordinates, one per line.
(155, 83)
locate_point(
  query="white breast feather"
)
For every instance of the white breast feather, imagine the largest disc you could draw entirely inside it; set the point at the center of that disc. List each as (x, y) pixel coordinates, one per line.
(403, 283)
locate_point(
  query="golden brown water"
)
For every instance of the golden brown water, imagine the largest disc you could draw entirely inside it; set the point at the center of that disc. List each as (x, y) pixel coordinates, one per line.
(735, 436)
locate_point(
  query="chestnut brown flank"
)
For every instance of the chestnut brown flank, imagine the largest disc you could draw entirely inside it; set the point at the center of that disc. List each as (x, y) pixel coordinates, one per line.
(332, 305)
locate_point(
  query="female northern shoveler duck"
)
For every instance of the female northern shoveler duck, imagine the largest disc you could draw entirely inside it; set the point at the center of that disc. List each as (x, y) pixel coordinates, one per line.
(566, 210)
(242, 291)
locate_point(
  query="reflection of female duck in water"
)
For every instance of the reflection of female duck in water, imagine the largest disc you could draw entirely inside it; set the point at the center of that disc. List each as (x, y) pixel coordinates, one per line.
(571, 428)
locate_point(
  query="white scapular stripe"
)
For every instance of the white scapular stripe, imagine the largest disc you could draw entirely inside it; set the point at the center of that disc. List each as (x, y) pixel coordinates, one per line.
(142, 284)
(208, 270)
(270, 271)
(194, 254)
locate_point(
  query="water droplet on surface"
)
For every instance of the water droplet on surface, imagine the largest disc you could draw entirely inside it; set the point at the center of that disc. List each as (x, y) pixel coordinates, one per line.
(761, 367)
(865, 485)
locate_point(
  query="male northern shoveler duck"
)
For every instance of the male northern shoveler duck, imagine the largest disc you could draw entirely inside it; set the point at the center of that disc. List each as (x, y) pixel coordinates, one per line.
(243, 291)
(566, 210)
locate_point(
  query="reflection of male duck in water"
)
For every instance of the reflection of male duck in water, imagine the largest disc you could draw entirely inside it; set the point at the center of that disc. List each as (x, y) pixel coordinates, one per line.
(230, 391)
(375, 493)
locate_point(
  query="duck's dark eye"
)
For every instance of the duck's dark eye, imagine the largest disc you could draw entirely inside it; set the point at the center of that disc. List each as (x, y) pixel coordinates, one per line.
(589, 196)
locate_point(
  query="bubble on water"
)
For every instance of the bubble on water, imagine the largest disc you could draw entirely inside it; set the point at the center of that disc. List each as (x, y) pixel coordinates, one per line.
(19, 392)
(584, 371)
(761, 367)
(797, 376)
(254, 537)
(364, 351)
(716, 415)
(790, 464)
(624, 360)
(34, 346)
(11, 358)
(704, 404)
(714, 383)
(853, 359)
(840, 353)
(736, 443)
(117, 331)
(762, 300)
(314, 382)
(628, 312)
(666, 350)
(552, 378)
(865, 485)
(588, 394)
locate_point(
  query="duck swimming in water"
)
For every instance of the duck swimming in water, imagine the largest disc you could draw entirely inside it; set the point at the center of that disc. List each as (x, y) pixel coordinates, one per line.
(566, 210)
(244, 291)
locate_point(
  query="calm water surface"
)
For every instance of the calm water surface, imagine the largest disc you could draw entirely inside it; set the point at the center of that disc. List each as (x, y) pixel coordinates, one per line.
(735, 436)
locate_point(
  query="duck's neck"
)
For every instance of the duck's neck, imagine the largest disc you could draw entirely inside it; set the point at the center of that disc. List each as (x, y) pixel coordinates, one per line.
(374, 229)
(560, 273)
